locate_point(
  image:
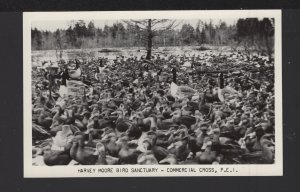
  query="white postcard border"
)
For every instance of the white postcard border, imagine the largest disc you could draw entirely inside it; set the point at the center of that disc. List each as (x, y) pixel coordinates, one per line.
(31, 171)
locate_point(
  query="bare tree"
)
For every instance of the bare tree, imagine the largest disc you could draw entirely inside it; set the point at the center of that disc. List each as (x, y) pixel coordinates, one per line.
(150, 28)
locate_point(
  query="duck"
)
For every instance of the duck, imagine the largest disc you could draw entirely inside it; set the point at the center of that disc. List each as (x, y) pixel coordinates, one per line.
(39, 133)
(181, 132)
(57, 157)
(63, 137)
(147, 157)
(145, 127)
(44, 119)
(201, 135)
(185, 110)
(151, 145)
(180, 149)
(70, 113)
(94, 136)
(170, 159)
(153, 123)
(199, 120)
(106, 122)
(100, 151)
(252, 140)
(134, 132)
(224, 145)
(162, 138)
(258, 147)
(122, 124)
(80, 117)
(207, 156)
(216, 113)
(57, 122)
(165, 124)
(127, 154)
(203, 107)
(92, 122)
(76, 72)
(217, 139)
(81, 153)
(186, 120)
(59, 153)
(37, 157)
(268, 149)
(85, 119)
(111, 147)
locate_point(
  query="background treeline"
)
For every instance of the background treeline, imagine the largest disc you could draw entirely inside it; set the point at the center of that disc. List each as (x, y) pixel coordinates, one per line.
(252, 33)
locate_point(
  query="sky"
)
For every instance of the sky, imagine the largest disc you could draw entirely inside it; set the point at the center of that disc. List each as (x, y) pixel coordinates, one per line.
(54, 25)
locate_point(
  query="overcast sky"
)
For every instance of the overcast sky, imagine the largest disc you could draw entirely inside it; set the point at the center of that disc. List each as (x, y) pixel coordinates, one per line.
(54, 25)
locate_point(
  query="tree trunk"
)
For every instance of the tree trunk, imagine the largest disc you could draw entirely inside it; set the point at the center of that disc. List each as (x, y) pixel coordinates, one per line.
(149, 45)
(269, 50)
(149, 48)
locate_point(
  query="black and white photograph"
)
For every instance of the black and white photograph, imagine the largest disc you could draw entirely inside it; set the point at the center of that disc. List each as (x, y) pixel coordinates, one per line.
(164, 93)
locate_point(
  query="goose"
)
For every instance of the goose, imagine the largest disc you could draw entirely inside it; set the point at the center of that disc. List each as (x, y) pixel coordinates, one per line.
(63, 91)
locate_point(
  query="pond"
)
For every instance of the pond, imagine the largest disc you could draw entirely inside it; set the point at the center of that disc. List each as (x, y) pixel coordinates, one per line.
(38, 57)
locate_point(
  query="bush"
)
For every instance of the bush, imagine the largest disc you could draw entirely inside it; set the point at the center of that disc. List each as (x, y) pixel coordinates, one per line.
(108, 50)
(202, 48)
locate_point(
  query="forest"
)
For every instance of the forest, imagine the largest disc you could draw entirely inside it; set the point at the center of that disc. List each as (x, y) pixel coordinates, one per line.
(250, 33)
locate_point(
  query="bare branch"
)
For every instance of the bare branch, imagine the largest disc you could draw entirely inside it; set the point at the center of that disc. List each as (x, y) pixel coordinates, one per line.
(140, 23)
(165, 28)
(156, 21)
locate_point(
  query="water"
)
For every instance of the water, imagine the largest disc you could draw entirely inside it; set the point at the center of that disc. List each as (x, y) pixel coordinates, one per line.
(38, 57)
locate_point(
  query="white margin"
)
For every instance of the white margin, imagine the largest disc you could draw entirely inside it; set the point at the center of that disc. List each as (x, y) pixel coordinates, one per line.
(31, 171)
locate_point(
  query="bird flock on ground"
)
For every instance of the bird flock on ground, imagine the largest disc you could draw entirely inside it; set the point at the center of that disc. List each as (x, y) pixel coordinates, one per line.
(210, 108)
